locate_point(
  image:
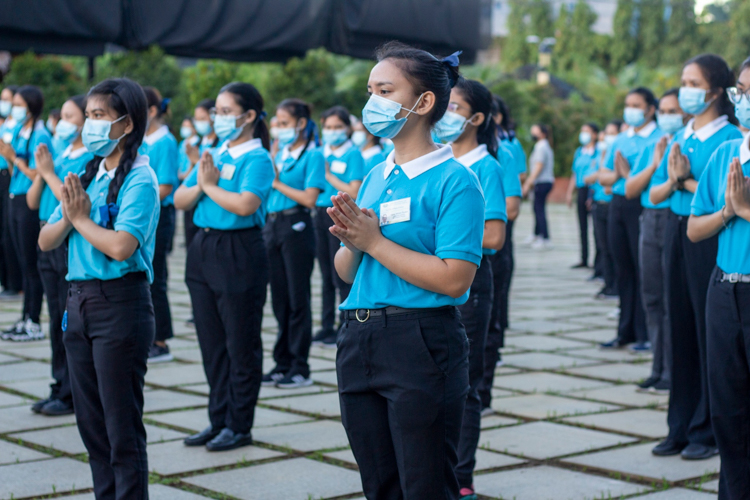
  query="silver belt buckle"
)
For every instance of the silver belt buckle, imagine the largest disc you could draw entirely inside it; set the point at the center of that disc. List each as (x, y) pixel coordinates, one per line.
(356, 315)
(733, 277)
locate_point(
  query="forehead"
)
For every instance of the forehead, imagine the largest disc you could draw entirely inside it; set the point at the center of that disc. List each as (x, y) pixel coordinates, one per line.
(457, 96)
(98, 102)
(333, 120)
(18, 100)
(692, 72)
(635, 99)
(387, 72)
(611, 129)
(744, 78)
(669, 101)
(283, 115)
(226, 100)
(69, 107)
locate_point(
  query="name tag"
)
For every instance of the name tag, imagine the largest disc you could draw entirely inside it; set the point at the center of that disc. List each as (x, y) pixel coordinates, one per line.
(227, 171)
(395, 211)
(7, 137)
(338, 167)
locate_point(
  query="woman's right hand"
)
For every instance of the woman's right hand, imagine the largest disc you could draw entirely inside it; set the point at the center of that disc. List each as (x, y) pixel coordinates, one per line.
(193, 153)
(44, 162)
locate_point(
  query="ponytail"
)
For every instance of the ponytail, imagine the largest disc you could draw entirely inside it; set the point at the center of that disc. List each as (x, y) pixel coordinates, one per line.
(480, 100)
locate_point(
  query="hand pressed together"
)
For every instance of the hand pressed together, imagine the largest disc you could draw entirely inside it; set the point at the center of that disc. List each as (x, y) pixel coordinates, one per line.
(737, 195)
(357, 228)
(208, 174)
(43, 158)
(76, 205)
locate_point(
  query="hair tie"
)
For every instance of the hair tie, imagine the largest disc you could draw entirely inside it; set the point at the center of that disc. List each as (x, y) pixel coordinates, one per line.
(263, 114)
(164, 104)
(452, 60)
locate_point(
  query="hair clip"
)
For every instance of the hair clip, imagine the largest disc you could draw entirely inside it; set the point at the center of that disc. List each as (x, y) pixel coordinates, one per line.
(263, 114)
(165, 103)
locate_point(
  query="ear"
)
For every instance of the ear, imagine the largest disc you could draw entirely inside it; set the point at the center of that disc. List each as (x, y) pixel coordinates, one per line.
(426, 103)
(477, 120)
(301, 124)
(251, 116)
(128, 125)
(152, 112)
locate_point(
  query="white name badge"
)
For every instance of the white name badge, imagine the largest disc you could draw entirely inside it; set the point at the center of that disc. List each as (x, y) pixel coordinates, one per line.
(338, 167)
(395, 211)
(7, 137)
(227, 171)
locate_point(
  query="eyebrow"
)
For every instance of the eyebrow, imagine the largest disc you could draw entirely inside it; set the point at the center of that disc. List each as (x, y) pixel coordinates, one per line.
(97, 109)
(383, 83)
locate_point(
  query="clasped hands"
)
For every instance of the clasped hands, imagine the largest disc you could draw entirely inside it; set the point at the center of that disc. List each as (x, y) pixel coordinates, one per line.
(737, 194)
(357, 228)
(678, 166)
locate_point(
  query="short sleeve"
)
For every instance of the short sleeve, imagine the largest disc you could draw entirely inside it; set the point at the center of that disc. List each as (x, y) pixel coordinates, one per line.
(642, 161)
(511, 182)
(460, 224)
(56, 215)
(662, 174)
(355, 170)
(494, 194)
(609, 160)
(192, 179)
(257, 176)
(39, 139)
(705, 199)
(139, 201)
(315, 174)
(164, 158)
(576, 155)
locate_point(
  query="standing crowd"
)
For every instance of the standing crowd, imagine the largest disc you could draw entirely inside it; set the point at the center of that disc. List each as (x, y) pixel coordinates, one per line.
(409, 211)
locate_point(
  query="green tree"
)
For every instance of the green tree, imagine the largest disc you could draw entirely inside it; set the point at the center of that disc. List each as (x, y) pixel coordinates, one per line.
(739, 43)
(148, 67)
(625, 34)
(682, 32)
(515, 50)
(204, 80)
(564, 55)
(540, 15)
(311, 78)
(56, 79)
(652, 31)
(576, 41)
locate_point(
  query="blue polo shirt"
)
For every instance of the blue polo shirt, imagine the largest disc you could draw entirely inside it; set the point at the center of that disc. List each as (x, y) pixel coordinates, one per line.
(582, 163)
(373, 157)
(162, 152)
(490, 174)
(519, 155)
(58, 145)
(8, 131)
(298, 172)
(698, 146)
(183, 160)
(66, 162)
(597, 189)
(346, 163)
(630, 144)
(446, 219)
(25, 143)
(734, 240)
(138, 200)
(246, 167)
(641, 164)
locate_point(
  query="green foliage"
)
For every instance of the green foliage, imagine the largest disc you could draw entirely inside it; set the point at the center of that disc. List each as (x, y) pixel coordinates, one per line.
(312, 79)
(57, 79)
(149, 67)
(682, 33)
(515, 50)
(540, 15)
(576, 42)
(625, 31)
(738, 48)
(652, 31)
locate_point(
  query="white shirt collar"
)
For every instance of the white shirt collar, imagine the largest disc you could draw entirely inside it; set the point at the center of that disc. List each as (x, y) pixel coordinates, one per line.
(140, 161)
(644, 132)
(286, 153)
(206, 141)
(473, 156)
(240, 149)
(707, 130)
(158, 134)
(745, 150)
(370, 152)
(10, 122)
(72, 155)
(419, 165)
(338, 152)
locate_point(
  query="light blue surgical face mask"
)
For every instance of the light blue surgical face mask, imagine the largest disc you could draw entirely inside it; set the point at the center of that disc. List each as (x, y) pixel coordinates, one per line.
(379, 116)
(18, 113)
(669, 123)
(450, 127)
(635, 117)
(693, 100)
(334, 137)
(5, 107)
(95, 136)
(286, 136)
(186, 132)
(226, 127)
(601, 146)
(66, 131)
(609, 139)
(359, 138)
(584, 138)
(203, 127)
(742, 111)
(50, 125)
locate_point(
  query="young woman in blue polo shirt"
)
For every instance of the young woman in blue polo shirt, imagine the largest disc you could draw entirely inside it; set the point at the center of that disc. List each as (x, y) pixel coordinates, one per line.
(290, 240)
(44, 195)
(584, 155)
(721, 206)
(10, 270)
(412, 246)
(345, 169)
(24, 222)
(705, 79)
(227, 268)
(109, 216)
(468, 127)
(161, 148)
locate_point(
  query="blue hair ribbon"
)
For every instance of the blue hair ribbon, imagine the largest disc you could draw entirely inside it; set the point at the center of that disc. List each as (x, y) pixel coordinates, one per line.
(263, 114)
(452, 60)
(164, 103)
(107, 214)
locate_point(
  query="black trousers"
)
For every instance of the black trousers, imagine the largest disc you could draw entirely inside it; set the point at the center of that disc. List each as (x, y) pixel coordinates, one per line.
(688, 268)
(190, 228)
(53, 266)
(110, 329)
(541, 191)
(475, 316)
(507, 277)
(601, 235)
(728, 348)
(624, 233)
(403, 381)
(24, 233)
(10, 269)
(227, 273)
(163, 245)
(326, 246)
(290, 243)
(583, 222)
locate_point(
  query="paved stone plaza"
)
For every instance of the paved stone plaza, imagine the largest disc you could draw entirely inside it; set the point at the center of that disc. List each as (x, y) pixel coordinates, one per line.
(569, 423)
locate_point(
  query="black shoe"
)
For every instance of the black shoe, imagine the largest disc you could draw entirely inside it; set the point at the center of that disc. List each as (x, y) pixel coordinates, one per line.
(612, 344)
(667, 448)
(329, 342)
(37, 407)
(580, 265)
(229, 440)
(661, 387)
(17, 328)
(202, 437)
(699, 452)
(159, 354)
(294, 381)
(271, 379)
(56, 408)
(607, 294)
(8, 295)
(322, 334)
(647, 384)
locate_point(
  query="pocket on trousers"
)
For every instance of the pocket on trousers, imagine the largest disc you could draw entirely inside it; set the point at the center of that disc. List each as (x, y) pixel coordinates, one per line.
(430, 342)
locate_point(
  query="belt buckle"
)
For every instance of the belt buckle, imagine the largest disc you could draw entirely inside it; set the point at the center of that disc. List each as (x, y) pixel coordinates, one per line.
(733, 277)
(356, 315)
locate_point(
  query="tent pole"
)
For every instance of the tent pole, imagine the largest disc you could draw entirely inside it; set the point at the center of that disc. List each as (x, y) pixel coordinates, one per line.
(91, 68)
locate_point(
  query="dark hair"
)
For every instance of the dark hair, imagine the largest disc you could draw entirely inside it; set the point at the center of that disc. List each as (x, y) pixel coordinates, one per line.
(300, 109)
(719, 75)
(248, 97)
(12, 88)
(671, 92)
(34, 100)
(424, 71)
(500, 106)
(480, 101)
(80, 101)
(154, 98)
(593, 126)
(55, 113)
(338, 111)
(616, 122)
(207, 104)
(546, 130)
(125, 97)
(648, 96)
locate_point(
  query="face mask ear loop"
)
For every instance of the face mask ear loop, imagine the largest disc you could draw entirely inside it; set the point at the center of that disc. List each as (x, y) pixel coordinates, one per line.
(409, 111)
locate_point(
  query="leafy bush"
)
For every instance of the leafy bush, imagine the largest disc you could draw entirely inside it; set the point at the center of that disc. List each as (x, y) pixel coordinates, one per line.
(57, 79)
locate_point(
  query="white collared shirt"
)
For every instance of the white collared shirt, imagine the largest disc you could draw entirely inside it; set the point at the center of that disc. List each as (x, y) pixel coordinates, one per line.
(473, 156)
(419, 165)
(140, 161)
(370, 152)
(707, 130)
(240, 149)
(72, 155)
(156, 135)
(339, 151)
(745, 150)
(644, 132)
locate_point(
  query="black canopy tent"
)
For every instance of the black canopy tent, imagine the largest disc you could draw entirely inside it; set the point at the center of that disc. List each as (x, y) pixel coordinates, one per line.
(243, 30)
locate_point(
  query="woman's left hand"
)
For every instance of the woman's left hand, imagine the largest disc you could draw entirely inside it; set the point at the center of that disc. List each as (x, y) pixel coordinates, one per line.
(209, 173)
(75, 199)
(677, 163)
(7, 152)
(738, 189)
(361, 227)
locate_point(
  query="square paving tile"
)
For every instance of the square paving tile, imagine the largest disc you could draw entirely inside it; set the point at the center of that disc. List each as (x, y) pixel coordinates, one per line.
(176, 374)
(343, 455)
(647, 423)
(197, 419)
(12, 453)
(167, 400)
(312, 479)
(547, 382)
(546, 440)
(551, 483)
(309, 436)
(616, 372)
(678, 494)
(624, 395)
(19, 418)
(638, 461)
(174, 457)
(598, 335)
(25, 370)
(497, 421)
(155, 492)
(491, 460)
(545, 361)
(275, 392)
(544, 343)
(318, 404)
(328, 377)
(612, 355)
(38, 388)
(710, 486)
(542, 406)
(8, 399)
(543, 327)
(49, 476)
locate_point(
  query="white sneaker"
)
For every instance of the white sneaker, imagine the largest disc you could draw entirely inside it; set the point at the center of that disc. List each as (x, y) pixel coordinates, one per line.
(530, 240)
(13, 330)
(31, 331)
(547, 245)
(487, 412)
(614, 314)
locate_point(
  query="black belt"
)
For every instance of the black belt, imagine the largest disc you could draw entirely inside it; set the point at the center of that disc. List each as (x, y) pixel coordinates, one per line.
(229, 231)
(289, 211)
(363, 315)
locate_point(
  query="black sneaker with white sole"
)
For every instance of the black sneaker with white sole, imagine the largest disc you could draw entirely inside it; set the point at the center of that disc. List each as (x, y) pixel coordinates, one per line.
(270, 379)
(31, 331)
(7, 334)
(321, 335)
(294, 381)
(159, 354)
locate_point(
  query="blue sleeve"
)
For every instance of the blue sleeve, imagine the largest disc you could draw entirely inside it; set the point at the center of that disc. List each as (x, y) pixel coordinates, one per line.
(56, 215)
(163, 158)
(355, 170)
(511, 182)
(460, 225)
(183, 161)
(139, 200)
(494, 194)
(192, 179)
(642, 161)
(704, 201)
(609, 160)
(315, 174)
(575, 161)
(662, 174)
(519, 155)
(40, 138)
(257, 176)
